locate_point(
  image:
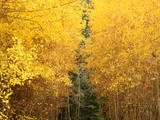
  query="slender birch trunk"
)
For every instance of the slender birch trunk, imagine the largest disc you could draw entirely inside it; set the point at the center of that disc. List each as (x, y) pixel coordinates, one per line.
(69, 116)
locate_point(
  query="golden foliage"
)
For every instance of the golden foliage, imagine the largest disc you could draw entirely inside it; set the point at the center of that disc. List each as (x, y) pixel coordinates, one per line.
(38, 38)
(125, 37)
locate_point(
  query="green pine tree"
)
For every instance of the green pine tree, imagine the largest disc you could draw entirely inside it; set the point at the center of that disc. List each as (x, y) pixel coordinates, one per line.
(83, 104)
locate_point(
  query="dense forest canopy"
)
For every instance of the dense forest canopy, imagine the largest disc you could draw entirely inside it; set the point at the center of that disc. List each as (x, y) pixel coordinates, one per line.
(79, 60)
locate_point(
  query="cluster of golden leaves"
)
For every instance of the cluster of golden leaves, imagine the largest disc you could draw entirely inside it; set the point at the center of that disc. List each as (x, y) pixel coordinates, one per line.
(125, 43)
(37, 38)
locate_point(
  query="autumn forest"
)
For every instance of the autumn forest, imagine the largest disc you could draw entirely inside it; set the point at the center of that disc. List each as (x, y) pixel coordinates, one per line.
(79, 60)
